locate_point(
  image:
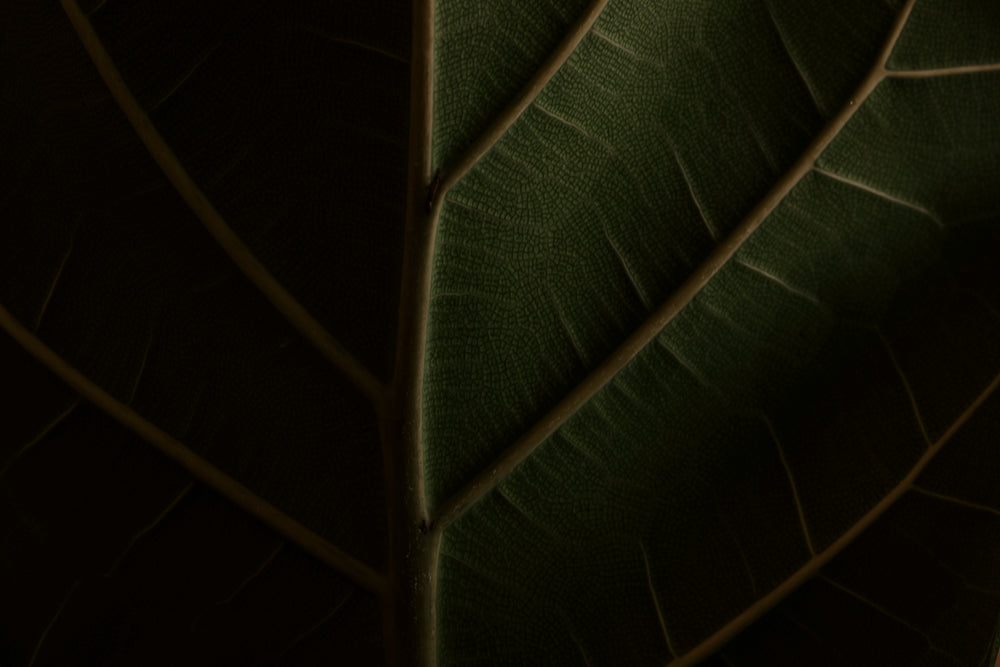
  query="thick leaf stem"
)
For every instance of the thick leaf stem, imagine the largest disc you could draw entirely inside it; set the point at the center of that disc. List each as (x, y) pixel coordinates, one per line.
(411, 626)
(211, 476)
(408, 608)
(257, 273)
(487, 479)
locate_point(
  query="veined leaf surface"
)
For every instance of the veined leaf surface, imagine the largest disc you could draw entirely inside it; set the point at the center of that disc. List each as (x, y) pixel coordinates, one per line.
(454, 333)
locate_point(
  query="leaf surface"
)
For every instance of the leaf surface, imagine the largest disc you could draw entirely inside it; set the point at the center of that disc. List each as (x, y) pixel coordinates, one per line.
(688, 354)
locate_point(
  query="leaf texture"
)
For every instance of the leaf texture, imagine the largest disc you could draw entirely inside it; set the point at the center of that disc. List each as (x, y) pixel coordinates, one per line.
(519, 333)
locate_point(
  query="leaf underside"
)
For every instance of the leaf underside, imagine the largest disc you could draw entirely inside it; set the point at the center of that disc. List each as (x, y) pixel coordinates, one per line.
(711, 352)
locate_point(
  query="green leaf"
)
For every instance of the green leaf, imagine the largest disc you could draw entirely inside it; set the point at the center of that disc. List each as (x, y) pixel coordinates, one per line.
(608, 333)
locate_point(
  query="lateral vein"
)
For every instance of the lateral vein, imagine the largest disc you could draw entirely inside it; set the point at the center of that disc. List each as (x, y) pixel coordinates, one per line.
(145, 530)
(38, 438)
(791, 56)
(55, 282)
(212, 476)
(885, 612)
(53, 621)
(511, 457)
(954, 500)
(906, 385)
(813, 566)
(239, 252)
(795, 489)
(879, 193)
(524, 98)
(656, 601)
(941, 71)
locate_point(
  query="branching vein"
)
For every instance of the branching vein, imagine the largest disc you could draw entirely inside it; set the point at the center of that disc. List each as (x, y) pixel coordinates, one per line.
(771, 276)
(956, 501)
(650, 329)
(888, 614)
(816, 563)
(212, 476)
(791, 56)
(149, 527)
(879, 193)
(38, 438)
(906, 385)
(694, 198)
(53, 621)
(318, 624)
(656, 601)
(52, 287)
(252, 268)
(253, 575)
(525, 97)
(795, 488)
(942, 71)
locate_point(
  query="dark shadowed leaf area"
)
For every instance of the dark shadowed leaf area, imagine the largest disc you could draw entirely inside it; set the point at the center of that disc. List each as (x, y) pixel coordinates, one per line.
(688, 355)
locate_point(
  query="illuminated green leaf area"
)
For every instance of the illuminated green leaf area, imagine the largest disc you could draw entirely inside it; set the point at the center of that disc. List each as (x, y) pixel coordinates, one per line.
(522, 332)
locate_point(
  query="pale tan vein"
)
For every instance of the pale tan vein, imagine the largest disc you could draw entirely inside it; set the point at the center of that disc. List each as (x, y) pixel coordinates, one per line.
(688, 366)
(38, 438)
(879, 193)
(628, 271)
(774, 278)
(149, 528)
(212, 476)
(318, 624)
(813, 566)
(583, 653)
(885, 612)
(511, 457)
(314, 30)
(521, 101)
(697, 204)
(576, 126)
(791, 483)
(812, 634)
(906, 385)
(565, 323)
(187, 75)
(621, 47)
(943, 563)
(941, 71)
(52, 287)
(52, 622)
(253, 575)
(791, 56)
(956, 501)
(252, 268)
(742, 552)
(142, 367)
(858, 596)
(656, 601)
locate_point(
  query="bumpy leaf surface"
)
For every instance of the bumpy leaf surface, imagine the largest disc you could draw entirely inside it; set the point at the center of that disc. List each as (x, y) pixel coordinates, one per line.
(514, 333)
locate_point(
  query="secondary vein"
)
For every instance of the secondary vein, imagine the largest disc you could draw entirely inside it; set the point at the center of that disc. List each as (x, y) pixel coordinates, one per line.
(511, 457)
(212, 476)
(811, 567)
(521, 101)
(252, 268)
